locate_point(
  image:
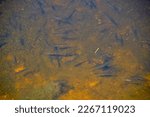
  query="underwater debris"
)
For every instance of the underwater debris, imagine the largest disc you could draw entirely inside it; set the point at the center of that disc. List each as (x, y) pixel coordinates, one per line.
(96, 50)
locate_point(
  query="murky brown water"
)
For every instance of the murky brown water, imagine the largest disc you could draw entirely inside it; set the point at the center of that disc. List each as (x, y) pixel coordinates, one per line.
(74, 49)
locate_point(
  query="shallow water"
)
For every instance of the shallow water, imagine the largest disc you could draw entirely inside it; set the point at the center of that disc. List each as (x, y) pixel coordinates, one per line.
(74, 49)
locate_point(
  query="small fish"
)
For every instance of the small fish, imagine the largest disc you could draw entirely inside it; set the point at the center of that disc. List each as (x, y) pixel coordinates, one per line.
(135, 32)
(66, 33)
(107, 58)
(119, 39)
(2, 44)
(59, 61)
(138, 80)
(6, 35)
(55, 7)
(79, 64)
(28, 73)
(69, 38)
(106, 67)
(101, 66)
(113, 7)
(41, 5)
(61, 55)
(106, 75)
(89, 3)
(22, 41)
(111, 19)
(1, 13)
(104, 30)
(62, 48)
(1, 1)
(66, 20)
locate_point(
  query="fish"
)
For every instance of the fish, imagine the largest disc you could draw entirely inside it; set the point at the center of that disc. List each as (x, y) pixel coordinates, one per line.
(62, 47)
(66, 20)
(106, 75)
(89, 3)
(5, 35)
(111, 19)
(135, 32)
(1, 13)
(58, 58)
(119, 39)
(101, 66)
(66, 33)
(137, 80)
(2, 44)
(14, 22)
(106, 67)
(104, 30)
(107, 58)
(41, 6)
(55, 7)
(1, 1)
(22, 41)
(61, 55)
(113, 7)
(79, 64)
(59, 61)
(68, 38)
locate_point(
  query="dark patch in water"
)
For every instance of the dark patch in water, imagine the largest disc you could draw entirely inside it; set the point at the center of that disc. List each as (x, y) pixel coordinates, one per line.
(63, 87)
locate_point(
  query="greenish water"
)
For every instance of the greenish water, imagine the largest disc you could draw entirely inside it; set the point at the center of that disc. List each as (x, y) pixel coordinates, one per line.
(74, 49)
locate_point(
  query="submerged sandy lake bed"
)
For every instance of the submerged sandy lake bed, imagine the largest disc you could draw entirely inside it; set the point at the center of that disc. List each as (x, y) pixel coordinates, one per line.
(75, 49)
